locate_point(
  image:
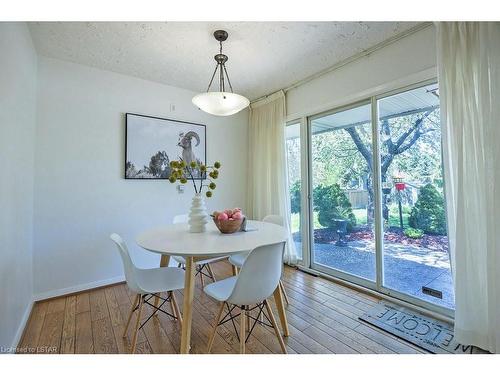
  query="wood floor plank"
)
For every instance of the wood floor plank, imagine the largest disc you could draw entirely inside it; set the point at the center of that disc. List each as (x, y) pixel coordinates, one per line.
(123, 343)
(143, 348)
(332, 330)
(328, 341)
(83, 333)
(98, 305)
(50, 337)
(68, 333)
(121, 294)
(307, 341)
(82, 302)
(103, 336)
(296, 346)
(157, 338)
(113, 308)
(56, 305)
(34, 327)
(299, 323)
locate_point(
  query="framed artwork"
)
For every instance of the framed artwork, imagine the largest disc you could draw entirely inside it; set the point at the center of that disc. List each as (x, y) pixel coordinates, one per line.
(152, 142)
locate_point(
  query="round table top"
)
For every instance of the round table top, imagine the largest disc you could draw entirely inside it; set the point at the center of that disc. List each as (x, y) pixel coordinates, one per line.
(175, 239)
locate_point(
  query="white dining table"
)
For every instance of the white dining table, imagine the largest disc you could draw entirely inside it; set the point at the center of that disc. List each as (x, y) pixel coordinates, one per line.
(175, 239)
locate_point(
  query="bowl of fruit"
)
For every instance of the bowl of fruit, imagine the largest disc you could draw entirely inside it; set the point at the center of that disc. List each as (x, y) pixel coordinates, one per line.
(228, 221)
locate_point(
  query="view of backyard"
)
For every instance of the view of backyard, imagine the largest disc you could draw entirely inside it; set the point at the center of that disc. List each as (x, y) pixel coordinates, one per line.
(415, 243)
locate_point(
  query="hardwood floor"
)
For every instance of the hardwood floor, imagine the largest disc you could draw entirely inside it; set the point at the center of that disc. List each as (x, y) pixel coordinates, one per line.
(322, 315)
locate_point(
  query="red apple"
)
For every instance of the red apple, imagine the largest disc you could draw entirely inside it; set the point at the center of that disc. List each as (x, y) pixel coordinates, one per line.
(222, 216)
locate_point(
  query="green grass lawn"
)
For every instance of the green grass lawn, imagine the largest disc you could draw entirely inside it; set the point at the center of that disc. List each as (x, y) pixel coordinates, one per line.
(296, 222)
(360, 218)
(394, 215)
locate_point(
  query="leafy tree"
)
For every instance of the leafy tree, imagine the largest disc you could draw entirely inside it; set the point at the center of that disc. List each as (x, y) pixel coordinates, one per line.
(399, 135)
(293, 159)
(428, 213)
(130, 170)
(159, 165)
(295, 197)
(332, 204)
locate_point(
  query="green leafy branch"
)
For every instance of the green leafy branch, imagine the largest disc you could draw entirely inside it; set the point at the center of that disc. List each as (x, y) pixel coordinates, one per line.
(182, 172)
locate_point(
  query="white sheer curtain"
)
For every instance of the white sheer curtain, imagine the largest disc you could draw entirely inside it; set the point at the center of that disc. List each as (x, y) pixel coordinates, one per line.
(267, 183)
(469, 86)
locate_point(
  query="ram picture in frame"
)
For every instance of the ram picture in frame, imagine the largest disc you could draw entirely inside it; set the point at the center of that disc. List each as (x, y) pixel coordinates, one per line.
(151, 143)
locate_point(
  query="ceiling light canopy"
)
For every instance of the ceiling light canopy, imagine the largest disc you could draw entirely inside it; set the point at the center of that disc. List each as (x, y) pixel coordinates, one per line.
(220, 103)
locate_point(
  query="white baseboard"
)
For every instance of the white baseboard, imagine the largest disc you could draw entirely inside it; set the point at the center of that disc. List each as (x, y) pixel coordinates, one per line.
(77, 288)
(22, 325)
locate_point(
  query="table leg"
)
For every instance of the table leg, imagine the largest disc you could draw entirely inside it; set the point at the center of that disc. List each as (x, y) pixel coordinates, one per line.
(165, 259)
(278, 299)
(187, 311)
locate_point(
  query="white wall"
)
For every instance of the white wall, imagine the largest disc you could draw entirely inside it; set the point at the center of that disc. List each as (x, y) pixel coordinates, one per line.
(81, 196)
(18, 66)
(403, 62)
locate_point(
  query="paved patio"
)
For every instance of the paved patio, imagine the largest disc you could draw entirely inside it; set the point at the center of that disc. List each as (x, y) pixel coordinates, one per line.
(407, 267)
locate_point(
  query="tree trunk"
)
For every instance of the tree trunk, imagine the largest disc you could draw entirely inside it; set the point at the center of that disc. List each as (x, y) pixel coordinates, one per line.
(370, 208)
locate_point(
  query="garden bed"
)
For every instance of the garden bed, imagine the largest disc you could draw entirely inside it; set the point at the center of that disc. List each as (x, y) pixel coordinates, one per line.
(392, 235)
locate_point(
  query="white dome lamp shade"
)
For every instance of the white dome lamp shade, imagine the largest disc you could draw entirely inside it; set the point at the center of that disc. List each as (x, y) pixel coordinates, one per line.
(220, 103)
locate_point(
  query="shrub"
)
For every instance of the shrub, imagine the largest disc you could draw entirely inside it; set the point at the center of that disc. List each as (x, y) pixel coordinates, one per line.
(414, 233)
(428, 214)
(332, 204)
(295, 197)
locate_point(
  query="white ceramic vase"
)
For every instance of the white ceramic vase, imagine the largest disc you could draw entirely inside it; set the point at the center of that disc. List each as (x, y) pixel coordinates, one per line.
(198, 217)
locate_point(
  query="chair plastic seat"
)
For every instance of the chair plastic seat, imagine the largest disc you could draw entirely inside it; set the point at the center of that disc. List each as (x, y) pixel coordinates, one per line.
(238, 259)
(182, 260)
(158, 280)
(221, 290)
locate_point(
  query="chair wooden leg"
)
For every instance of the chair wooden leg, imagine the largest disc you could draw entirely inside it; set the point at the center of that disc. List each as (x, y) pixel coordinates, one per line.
(169, 295)
(283, 291)
(235, 269)
(134, 304)
(137, 324)
(211, 272)
(214, 330)
(280, 306)
(243, 332)
(175, 307)
(275, 326)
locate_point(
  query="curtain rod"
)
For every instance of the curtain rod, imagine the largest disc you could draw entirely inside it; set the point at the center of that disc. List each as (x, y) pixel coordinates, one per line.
(353, 58)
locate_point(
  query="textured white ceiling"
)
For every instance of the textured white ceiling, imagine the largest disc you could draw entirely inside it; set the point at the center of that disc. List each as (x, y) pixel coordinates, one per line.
(263, 56)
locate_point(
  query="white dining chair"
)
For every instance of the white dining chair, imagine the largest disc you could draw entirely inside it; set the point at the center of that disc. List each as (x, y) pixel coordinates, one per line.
(149, 283)
(238, 260)
(202, 265)
(248, 291)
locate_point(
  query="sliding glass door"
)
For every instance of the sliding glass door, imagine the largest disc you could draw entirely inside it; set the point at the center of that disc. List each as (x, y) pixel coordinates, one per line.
(374, 191)
(416, 262)
(341, 176)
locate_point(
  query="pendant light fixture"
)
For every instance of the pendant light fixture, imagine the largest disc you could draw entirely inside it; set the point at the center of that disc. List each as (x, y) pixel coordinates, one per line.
(220, 103)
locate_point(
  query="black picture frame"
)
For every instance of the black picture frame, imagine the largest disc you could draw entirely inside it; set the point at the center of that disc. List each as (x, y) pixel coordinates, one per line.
(151, 121)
